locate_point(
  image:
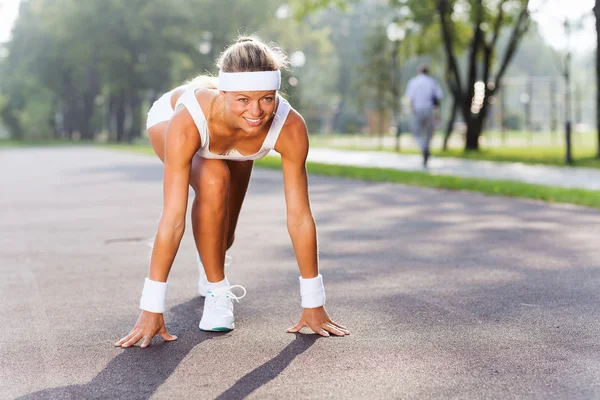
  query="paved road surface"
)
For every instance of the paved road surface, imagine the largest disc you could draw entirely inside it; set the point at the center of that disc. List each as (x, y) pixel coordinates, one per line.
(448, 294)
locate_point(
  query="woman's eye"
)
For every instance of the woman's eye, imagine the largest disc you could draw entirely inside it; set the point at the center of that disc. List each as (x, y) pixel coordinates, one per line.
(268, 99)
(243, 100)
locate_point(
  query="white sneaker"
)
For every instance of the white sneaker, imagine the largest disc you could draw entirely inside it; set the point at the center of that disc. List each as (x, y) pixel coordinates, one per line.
(218, 309)
(202, 280)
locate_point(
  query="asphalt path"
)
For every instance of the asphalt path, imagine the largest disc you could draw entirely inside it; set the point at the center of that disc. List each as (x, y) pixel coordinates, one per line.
(548, 175)
(447, 294)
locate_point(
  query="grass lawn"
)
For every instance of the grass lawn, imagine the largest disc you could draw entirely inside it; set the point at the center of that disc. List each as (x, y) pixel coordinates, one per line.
(491, 187)
(549, 155)
(584, 150)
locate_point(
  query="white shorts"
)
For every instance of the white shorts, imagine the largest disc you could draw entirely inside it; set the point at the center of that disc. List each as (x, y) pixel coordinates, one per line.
(160, 111)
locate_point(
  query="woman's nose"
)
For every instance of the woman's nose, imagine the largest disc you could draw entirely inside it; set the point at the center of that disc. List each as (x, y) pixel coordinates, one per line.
(255, 109)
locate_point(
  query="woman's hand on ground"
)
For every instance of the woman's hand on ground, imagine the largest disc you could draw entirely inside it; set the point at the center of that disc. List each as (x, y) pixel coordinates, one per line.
(147, 326)
(318, 320)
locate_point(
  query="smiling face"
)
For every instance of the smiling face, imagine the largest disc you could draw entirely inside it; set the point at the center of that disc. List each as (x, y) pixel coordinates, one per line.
(250, 110)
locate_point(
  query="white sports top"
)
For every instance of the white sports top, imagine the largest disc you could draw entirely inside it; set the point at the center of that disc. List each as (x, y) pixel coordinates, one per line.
(188, 99)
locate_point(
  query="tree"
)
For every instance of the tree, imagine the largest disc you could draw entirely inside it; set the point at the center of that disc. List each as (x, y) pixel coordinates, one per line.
(376, 84)
(597, 15)
(429, 41)
(487, 18)
(73, 69)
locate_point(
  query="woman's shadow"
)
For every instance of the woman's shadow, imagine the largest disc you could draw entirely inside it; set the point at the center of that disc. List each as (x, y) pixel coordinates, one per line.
(137, 373)
(269, 370)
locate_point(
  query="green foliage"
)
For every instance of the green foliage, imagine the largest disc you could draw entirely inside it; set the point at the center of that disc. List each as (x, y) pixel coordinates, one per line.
(103, 62)
(375, 87)
(35, 116)
(303, 8)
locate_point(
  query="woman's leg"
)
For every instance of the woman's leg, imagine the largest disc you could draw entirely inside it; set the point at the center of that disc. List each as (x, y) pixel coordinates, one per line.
(157, 134)
(224, 182)
(210, 180)
(240, 172)
(220, 189)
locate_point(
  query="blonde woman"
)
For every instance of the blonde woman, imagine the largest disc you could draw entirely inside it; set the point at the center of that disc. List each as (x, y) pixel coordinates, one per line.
(208, 134)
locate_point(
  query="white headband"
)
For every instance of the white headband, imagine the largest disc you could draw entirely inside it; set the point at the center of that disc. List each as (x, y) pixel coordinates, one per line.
(249, 81)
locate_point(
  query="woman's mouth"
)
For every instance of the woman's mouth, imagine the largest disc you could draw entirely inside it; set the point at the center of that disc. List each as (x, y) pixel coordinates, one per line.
(253, 122)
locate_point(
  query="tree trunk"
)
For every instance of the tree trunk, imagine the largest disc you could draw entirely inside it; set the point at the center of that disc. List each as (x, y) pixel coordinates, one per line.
(89, 98)
(70, 98)
(480, 59)
(88, 109)
(343, 83)
(597, 14)
(69, 118)
(120, 115)
(136, 118)
(474, 128)
(450, 124)
(109, 117)
(11, 121)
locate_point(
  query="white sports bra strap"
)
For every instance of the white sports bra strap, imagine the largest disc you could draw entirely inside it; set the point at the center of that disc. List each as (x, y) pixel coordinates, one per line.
(278, 121)
(188, 100)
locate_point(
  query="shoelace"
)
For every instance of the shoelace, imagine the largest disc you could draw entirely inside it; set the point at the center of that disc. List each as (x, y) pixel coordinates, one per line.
(222, 296)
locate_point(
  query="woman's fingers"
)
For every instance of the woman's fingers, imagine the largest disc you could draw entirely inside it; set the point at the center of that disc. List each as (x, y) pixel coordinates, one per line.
(125, 338)
(147, 326)
(167, 336)
(297, 328)
(322, 332)
(333, 329)
(136, 338)
(319, 329)
(340, 327)
(146, 342)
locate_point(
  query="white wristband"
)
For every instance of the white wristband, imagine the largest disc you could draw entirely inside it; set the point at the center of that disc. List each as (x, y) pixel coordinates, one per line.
(312, 292)
(154, 296)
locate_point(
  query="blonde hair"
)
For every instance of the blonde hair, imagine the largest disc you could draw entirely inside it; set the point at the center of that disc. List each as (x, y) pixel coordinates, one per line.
(247, 54)
(203, 81)
(250, 54)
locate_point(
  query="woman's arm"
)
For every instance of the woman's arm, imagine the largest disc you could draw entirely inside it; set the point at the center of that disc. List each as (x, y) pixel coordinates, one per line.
(181, 143)
(300, 222)
(293, 147)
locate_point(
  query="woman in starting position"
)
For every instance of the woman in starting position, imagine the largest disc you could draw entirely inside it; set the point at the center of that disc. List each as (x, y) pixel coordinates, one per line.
(208, 137)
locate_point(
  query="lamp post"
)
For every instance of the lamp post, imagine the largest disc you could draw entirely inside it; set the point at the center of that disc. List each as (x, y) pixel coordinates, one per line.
(567, 75)
(525, 100)
(395, 34)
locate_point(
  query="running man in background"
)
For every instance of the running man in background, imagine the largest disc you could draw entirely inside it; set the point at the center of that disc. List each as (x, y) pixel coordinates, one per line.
(425, 95)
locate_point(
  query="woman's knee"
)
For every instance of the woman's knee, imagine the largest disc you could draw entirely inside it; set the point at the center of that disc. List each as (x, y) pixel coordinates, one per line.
(212, 179)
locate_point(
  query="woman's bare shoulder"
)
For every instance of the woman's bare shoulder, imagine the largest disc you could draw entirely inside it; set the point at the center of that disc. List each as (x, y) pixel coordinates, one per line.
(294, 124)
(293, 139)
(176, 94)
(205, 96)
(201, 93)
